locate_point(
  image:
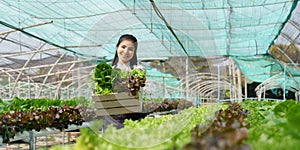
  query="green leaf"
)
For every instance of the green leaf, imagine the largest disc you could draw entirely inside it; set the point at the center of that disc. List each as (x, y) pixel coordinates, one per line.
(281, 109)
(293, 116)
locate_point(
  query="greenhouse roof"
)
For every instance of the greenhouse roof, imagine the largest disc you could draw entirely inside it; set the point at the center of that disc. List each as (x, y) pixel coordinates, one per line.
(72, 31)
(164, 28)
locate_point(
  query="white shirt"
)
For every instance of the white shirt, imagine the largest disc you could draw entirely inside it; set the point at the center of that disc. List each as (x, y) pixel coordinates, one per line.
(125, 67)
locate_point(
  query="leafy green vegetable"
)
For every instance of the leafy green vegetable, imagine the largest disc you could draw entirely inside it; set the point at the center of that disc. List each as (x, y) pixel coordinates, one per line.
(272, 123)
(137, 79)
(108, 80)
(13, 122)
(293, 116)
(103, 78)
(119, 74)
(136, 72)
(227, 131)
(281, 109)
(166, 132)
(38, 103)
(120, 80)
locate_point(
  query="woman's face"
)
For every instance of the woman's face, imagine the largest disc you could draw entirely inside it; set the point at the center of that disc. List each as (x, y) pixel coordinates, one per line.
(125, 51)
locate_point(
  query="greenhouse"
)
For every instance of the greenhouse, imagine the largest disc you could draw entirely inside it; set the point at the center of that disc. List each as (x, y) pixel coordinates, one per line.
(196, 74)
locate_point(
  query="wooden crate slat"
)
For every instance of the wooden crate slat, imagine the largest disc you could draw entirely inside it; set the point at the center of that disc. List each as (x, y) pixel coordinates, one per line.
(113, 104)
(109, 97)
(115, 111)
(117, 103)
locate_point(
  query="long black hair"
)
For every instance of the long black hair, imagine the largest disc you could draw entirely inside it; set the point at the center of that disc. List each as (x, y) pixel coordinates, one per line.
(133, 39)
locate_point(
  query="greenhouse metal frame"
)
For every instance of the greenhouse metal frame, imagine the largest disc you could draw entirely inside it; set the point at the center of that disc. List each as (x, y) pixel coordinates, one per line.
(48, 48)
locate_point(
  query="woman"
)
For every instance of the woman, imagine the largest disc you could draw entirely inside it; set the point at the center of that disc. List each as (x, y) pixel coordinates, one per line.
(125, 59)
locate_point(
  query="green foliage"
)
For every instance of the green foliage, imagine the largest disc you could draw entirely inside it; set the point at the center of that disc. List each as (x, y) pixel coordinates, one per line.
(119, 74)
(103, 78)
(137, 79)
(281, 109)
(83, 101)
(259, 111)
(120, 80)
(166, 105)
(91, 80)
(166, 132)
(272, 123)
(138, 73)
(38, 103)
(88, 140)
(155, 100)
(18, 115)
(227, 131)
(13, 122)
(108, 80)
(293, 117)
(60, 147)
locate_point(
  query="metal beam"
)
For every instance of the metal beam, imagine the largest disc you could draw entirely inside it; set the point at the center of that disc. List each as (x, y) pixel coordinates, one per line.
(20, 73)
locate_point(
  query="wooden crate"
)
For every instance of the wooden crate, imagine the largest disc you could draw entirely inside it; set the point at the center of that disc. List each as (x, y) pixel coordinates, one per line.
(118, 103)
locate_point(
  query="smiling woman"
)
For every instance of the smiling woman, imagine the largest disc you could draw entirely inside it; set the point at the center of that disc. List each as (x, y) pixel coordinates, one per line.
(125, 57)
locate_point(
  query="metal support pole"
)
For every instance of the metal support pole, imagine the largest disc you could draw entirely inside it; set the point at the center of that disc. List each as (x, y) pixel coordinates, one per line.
(284, 85)
(200, 99)
(36, 87)
(164, 88)
(79, 81)
(63, 137)
(218, 84)
(239, 84)
(19, 89)
(234, 79)
(246, 94)
(69, 137)
(197, 100)
(264, 92)
(9, 90)
(186, 77)
(29, 89)
(68, 90)
(31, 141)
(141, 99)
(46, 142)
(230, 80)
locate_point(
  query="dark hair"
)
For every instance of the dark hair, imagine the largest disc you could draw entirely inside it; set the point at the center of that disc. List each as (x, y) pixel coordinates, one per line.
(131, 38)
